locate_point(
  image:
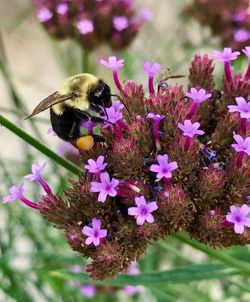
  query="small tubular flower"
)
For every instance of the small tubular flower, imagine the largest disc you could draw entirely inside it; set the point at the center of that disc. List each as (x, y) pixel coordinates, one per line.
(242, 147)
(198, 97)
(190, 130)
(95, 234)
(243, 107)
(226, 56)
(114, 64)
(85, 26)
(36, 176)
(151, 70)
(239, 217)
(143, 210)
(105, 187)
(96, 166)
(246, 51)
(120, 23)
(156, 122)
(16, 193)
(164, 168)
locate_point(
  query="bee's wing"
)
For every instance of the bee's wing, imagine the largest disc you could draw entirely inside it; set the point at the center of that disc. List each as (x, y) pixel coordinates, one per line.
(50, 101)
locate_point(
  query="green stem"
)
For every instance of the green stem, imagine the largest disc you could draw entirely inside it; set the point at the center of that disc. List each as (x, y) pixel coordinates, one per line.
(216, 254)
(39, 146)
(85, 61)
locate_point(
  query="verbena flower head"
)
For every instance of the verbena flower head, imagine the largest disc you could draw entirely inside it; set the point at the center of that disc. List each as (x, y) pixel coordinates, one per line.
(228, 21)
(158, 182)
(239, 217)
(226, 55)
(243, 145)
(95, 234)
(143, 210)
(152, 70)
(16, 192)
(92, 23)
(190, 129)
(243, 107)
(164, 168)
(105, 187)
(198, 96)
(113, 63)
(96, 166)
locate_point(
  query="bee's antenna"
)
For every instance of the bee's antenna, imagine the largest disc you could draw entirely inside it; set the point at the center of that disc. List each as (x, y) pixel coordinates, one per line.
(121, 101)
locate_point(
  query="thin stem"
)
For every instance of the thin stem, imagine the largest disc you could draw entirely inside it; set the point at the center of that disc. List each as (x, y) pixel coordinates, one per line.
(29, 203)
(192, 110)
(219, 255)
(117, 81)
(85, 61)
(187, 143)
(151, 85)
(240, 159)
(39, 146)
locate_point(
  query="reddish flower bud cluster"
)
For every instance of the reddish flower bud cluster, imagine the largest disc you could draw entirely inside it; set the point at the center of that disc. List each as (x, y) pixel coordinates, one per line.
(161, 169)
(92, 23)
(227, 19)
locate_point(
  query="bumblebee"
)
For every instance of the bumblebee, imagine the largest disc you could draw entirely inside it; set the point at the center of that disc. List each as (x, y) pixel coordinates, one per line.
(72, 103)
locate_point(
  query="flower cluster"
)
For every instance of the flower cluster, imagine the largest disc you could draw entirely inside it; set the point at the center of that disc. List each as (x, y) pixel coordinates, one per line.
(170, 160)
(92, 23)
(227, 19)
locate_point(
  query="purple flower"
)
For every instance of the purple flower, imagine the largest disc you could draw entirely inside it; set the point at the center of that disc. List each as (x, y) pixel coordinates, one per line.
(242, 106)
(65, 148)
(96, 166)
(164, 168)
(36, 171)
(44, 15)
(85, 26)
(62, 8)
(95, 233)
(112, 63)
(155, 117)
(36, 176)
(198, 96)
(238, 217)
(105, 187)
(88, 290)
(151, 70)
(117, 105)
(226, 55)
(16, 192)
(190, 129)
(76, 268)
(246, 51)
(243, 145)
(146, 14)
(113, 116)
(143, 210)
(241, 35)
(120, 23)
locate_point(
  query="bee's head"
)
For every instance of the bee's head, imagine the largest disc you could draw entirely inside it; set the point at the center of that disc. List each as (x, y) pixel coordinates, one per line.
(100, 97)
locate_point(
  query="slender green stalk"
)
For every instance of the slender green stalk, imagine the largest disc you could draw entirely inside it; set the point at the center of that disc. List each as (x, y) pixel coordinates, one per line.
(85, 61)
(16, 112)
(39, 146)
(216, 254)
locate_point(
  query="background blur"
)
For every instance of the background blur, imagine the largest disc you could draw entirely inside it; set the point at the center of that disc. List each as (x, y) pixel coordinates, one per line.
(36, 65)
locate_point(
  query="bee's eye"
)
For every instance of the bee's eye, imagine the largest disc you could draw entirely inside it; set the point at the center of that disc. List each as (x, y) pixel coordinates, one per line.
(163, 87)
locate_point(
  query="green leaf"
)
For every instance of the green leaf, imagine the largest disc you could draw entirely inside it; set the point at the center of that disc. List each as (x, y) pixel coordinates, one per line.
(187, 274)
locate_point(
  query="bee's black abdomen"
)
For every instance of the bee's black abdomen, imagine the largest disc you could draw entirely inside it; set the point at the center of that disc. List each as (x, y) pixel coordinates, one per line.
(66, 126)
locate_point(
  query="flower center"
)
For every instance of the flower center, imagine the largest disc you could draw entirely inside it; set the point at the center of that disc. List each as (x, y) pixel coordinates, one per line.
(108, 187)
(144, 211)
(96, 234)
(164, 170)
(238, 218)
